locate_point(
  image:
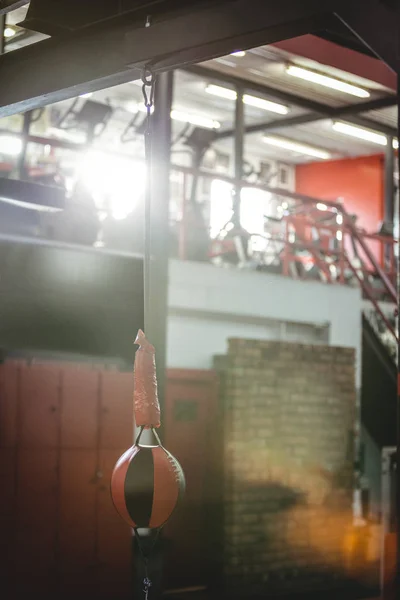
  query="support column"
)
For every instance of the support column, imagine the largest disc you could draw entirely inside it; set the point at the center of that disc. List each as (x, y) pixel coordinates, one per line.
(239, 151)
(388, 216)
(2, 27)
(160, 188)
(389, 182)
(397, 585)
(21, 170)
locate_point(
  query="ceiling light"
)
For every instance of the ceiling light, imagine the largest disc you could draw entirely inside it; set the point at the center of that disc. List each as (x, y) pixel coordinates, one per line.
(359, 132)
(221, 92)
(325, 80)
(396, 144)
(197, 120)
(183, 117)
(9, 32)
(321, 206)
(239, 53)
(10, 145)
(265, 104)
(296, 147)
(229, 94)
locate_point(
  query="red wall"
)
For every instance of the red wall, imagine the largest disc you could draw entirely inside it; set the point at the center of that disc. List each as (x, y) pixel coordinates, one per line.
(359, 181)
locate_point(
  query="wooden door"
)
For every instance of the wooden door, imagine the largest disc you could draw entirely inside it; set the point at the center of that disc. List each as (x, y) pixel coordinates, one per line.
(62, 428)
(191, 436)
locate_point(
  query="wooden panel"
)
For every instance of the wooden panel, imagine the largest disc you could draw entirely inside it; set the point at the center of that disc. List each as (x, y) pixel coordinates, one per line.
(36, 506)
(190, 435)
(7, 505)
(116, 410)
(39, 406)
(77, 509)
(79, 421)
(8, 404)
(114, 536)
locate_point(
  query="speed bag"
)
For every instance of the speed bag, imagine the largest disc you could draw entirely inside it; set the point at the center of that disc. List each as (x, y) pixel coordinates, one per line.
(146, 486)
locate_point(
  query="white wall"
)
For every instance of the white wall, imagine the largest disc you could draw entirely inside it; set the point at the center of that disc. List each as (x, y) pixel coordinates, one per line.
(208, 305)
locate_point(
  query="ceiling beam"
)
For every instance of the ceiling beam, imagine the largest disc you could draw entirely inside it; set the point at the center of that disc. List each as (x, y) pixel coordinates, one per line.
(334, 113)
(7, 6)
(317, 108)
(100, 57)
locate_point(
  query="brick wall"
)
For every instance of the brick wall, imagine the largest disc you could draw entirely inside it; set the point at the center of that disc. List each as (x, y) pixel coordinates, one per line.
(288, 464)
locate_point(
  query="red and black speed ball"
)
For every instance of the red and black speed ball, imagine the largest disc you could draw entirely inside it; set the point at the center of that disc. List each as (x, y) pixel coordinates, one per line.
(146, 485)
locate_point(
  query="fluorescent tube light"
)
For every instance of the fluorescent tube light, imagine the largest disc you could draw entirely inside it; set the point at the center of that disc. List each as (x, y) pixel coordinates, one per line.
(182, 116)
(281, 109)
(326, 81)
(359, 132)
(221, 92)
(239, 53)
(197, 120)
(294, 146)
(256, 101)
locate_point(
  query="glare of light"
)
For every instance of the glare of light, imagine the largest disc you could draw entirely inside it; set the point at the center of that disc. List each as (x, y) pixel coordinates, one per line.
(220, 205)
(339, 235)
(285, 205)
(117, 184)
(9, 32)
(239, 53)
(321, 206)
(253, 206)
(229, 94)
(396, 144)
(359, 132)
(197, 120)
(10, 145)
(298, 147)
(326, 81)
(87, 95)
(339, 219)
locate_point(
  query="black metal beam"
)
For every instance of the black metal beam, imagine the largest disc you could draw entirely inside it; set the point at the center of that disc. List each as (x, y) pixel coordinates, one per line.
(334, 113)
(7, 6)
(2, 27)
(239, 152)
(389, 182)
(32, 194)
(285, 97)
(159, 212)
(99, 57)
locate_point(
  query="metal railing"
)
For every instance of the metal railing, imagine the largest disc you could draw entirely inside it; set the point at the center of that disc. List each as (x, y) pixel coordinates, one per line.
(303, 237)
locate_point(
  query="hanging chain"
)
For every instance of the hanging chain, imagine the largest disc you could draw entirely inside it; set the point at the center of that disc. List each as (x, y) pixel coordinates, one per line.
(148, 88)
(149, 83)
(147, 583)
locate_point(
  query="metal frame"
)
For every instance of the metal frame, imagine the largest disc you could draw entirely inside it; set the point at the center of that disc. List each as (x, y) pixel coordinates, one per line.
(82, 62)
(9, 5)
(317, 109)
